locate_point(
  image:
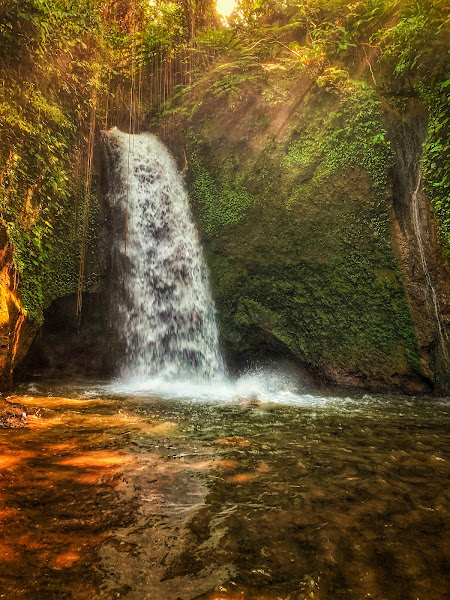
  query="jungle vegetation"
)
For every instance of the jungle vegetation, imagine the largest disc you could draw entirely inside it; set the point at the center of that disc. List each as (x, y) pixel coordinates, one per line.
(66, 66)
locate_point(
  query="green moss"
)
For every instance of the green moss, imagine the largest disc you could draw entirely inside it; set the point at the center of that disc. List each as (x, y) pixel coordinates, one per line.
(61, 271)
(223, 199)
(324, 313)
(436, 159)
(55, 61)
(304, 152)
(352, 134)
(35, 186)
(356, 137)
(42, 215)
(298, 238)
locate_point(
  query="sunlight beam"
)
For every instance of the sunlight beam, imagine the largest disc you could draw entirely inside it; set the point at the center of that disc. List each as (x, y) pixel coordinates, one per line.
(225, 7)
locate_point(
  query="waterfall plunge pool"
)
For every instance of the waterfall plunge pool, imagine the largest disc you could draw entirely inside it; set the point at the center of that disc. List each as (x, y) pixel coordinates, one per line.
(177, 483)
(122, 495)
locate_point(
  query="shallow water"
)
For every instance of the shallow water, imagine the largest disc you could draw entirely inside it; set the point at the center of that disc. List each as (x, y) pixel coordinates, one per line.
(112, 495)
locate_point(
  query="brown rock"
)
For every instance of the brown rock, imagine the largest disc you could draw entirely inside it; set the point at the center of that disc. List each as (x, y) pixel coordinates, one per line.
(16, 330)
(12, 414)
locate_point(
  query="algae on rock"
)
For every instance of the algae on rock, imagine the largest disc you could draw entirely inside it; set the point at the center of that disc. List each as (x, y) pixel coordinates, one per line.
(296, 222)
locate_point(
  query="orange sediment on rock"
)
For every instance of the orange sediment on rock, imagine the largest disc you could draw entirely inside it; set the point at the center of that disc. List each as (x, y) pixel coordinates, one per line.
(97, 458)
(234, 441)
(65, 560)
(90, 478)
(198, 465)
(241, 478)
(8, 460)
(7, 553)
(35, 422)
(263, 467)
(7, 513)
(123, 420)
(227, 464)
(54, 401)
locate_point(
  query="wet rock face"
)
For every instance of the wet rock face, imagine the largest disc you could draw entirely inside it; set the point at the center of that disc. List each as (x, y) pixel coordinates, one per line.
(16, 330)
(416, 242)
(308, 234)
(306, 261)
(12, 415)
(63, 346)
(68, 347)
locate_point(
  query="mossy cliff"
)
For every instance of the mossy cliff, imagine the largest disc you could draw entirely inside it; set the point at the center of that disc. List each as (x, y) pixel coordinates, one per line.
(292, 184)
(50, 90)
(16, 331)
(315, 137)
(42, 233)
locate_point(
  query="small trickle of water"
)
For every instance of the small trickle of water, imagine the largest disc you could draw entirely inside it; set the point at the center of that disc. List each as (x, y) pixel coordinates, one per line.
(166, 316)
(420, 245)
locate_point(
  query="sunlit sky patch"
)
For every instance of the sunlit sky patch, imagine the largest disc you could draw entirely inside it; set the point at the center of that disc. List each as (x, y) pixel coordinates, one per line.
(225, 7)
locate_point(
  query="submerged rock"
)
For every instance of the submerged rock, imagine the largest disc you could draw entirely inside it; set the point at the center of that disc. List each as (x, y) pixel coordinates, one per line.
(12, 415)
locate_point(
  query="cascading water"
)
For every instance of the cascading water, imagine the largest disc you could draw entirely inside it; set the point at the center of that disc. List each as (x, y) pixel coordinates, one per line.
(163, 311)
(165, 314)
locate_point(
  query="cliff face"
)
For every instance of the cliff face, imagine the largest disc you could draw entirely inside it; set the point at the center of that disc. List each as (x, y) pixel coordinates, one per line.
(50, 60)
(417, 244)
(40, 266)
(309, 214)
(16, 330)
(38, 269)
(321, 243)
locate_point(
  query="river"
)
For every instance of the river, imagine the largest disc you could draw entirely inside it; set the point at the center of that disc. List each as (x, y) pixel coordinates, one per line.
(106, 494)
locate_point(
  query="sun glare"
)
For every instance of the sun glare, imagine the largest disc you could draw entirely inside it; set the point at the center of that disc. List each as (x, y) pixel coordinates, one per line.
(225, 7)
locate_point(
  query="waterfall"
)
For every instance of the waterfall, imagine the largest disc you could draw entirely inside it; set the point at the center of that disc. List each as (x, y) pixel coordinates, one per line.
(164, 314)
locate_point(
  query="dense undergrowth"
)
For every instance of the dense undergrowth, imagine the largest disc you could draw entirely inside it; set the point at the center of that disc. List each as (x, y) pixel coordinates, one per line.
(49, 59)
(396, 48)
(61, 63)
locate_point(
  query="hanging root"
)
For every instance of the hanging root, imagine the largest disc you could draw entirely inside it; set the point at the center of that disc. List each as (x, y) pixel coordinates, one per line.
(87, 189)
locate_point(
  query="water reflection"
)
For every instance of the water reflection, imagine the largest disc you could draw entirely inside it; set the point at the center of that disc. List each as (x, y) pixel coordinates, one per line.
(135, 497)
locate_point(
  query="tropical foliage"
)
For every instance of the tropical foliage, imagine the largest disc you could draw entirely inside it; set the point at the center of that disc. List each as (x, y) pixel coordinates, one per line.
(61, 61)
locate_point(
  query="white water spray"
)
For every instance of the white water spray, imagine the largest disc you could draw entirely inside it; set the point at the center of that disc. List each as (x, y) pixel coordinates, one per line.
(166, 317)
